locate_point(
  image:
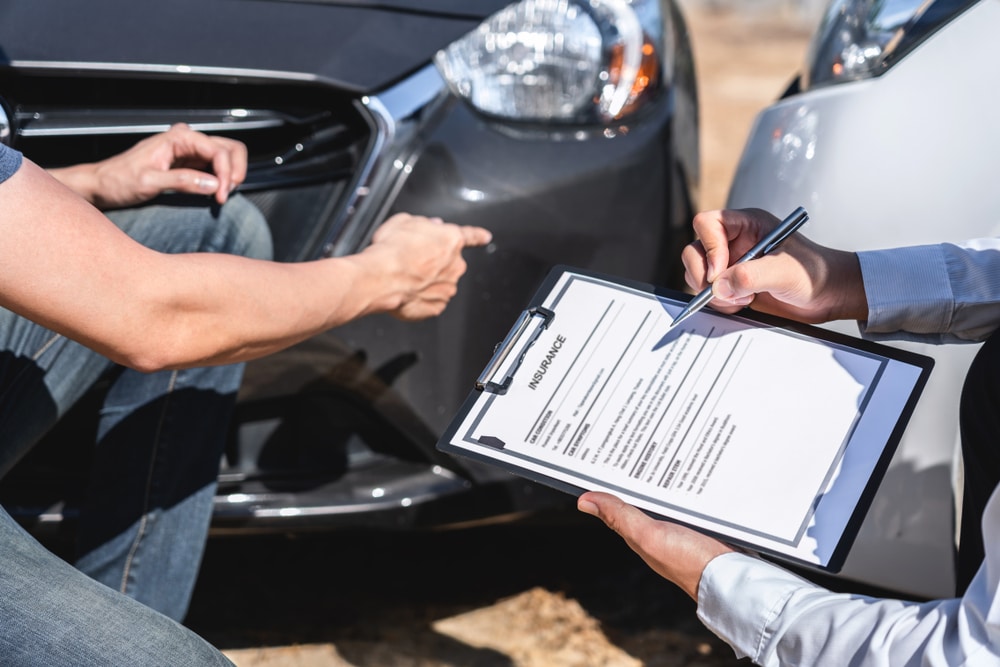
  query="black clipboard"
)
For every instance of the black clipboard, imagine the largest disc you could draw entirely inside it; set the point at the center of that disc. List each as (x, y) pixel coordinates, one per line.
(643, 438)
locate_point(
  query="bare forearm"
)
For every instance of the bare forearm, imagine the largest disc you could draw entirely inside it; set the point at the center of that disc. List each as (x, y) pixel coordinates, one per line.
(151, 311)
(67, 267)
(254, 308)
(850, 303)
(80, 178)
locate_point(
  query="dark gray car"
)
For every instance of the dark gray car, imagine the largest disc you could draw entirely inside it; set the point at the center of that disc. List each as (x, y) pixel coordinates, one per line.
(568, 128)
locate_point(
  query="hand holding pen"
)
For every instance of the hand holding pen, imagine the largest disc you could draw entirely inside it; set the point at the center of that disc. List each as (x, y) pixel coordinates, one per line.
(804, 281)
(766, 245)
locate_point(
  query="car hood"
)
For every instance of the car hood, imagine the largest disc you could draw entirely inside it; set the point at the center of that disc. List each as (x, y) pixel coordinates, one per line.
(360, 45)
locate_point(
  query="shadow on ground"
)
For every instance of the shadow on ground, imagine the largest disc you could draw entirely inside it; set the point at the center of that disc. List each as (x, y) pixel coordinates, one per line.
(404, 598)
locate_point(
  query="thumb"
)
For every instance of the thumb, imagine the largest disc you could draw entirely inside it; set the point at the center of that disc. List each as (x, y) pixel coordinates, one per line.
(739, 284)
(618, 515)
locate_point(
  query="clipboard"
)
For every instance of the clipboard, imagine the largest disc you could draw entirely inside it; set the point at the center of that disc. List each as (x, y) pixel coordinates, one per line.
(767, 433)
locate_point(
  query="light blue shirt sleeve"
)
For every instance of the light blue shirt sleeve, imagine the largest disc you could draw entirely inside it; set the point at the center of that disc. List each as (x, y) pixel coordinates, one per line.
(943, 293)
(931, 293)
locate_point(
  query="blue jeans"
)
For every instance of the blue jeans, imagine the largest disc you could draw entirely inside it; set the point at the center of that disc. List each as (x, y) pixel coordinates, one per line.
(145, 517)
(54, 616)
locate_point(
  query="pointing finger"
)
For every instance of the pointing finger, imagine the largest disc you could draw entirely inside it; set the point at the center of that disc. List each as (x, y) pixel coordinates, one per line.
(475, 236)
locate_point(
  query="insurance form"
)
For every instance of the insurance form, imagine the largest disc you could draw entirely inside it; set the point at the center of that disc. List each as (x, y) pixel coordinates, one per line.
(773, 437)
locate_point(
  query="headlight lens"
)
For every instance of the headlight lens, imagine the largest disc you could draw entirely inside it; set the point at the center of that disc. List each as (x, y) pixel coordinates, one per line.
(858, 39)
(559, 60)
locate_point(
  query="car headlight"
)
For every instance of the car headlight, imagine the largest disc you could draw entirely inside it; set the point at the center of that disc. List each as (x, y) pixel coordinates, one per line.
(858, 39)
(572, 61)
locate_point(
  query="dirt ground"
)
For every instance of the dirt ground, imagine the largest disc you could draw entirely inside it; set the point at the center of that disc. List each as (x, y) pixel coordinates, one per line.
(743, 62)
(306, 604)
(517, 595)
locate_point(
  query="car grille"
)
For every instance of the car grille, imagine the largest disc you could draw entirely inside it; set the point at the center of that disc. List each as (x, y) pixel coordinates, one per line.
(306, 142)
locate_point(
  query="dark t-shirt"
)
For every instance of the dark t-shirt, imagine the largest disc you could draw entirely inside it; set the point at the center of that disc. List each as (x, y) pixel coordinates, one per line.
(10, 161)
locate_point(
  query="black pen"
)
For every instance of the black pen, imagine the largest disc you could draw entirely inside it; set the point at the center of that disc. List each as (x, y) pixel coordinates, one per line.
(771, 241)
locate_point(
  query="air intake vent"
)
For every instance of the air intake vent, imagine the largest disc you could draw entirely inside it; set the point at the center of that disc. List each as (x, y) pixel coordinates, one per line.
(305, 142)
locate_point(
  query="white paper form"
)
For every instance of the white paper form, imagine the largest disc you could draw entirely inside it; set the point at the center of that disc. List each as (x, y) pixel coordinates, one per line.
(722, 423)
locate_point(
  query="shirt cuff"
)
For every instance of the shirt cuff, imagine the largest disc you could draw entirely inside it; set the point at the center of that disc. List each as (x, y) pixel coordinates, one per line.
(907, 290)
(738, 598)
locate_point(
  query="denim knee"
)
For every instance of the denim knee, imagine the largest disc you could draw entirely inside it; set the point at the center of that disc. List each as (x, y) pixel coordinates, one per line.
(237, 227)
(247, 230)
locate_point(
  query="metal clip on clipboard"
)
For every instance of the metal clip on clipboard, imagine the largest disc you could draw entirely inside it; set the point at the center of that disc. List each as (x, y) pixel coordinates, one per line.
(506, 361)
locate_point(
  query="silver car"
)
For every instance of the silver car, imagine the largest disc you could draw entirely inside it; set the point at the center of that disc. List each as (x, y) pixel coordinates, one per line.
(885, 138)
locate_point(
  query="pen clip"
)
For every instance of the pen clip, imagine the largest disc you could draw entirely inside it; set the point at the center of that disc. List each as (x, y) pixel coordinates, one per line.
(503, 360)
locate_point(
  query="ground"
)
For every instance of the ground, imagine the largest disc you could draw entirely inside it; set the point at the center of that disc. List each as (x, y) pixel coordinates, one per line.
(743, 62)
(563, 594)
(506, 596)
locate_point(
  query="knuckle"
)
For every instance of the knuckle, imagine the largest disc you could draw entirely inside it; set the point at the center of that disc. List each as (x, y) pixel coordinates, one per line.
(741, 277)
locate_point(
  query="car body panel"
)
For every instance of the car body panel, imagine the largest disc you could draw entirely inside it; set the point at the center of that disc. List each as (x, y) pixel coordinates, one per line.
(349, 125)
(906, 158)
(360, 47)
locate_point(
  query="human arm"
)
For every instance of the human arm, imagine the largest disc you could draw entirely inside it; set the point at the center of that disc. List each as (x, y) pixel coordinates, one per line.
(933, 293)
(676, 553)
(942, 293)
(801, 280)
(67, 267)
(179, 160)
(777, 618)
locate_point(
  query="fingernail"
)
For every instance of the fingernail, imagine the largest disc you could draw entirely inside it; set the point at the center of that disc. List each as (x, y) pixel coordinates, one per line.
(587, 507)
(206, 183)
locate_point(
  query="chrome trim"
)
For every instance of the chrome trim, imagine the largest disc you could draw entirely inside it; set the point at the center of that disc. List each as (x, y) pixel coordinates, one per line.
(404, 490)
(56, 124)
(143, 128)
(162, 69)
(140, 129)
(396, 116)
